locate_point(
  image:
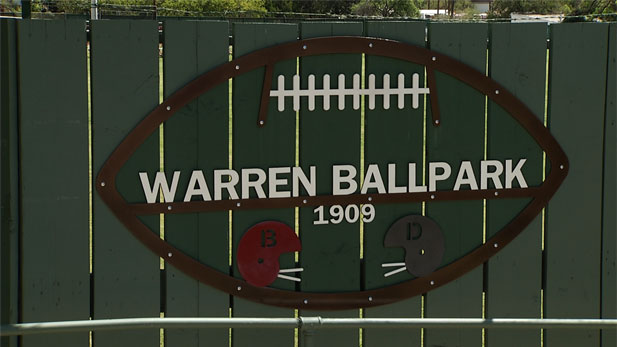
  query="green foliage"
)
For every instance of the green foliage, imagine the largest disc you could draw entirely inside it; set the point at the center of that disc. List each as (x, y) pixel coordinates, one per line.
(386, 8)
(577, 9)
(106, 7)
(279, 5)
(73, 7)
(463, 5)
(11, 7)
(204, 7)
(148, 7)
(503, 8)
(341, 7)
(584, 7)
(464, 9)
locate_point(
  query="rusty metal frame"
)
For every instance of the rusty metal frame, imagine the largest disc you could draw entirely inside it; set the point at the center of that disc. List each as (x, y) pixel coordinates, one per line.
(128, 213)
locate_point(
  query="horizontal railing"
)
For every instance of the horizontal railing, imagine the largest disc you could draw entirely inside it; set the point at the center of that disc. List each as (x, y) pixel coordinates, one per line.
(302, 323)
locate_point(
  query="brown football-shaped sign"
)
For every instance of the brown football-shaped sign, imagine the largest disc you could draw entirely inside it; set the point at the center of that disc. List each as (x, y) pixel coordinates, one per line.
(263, 243)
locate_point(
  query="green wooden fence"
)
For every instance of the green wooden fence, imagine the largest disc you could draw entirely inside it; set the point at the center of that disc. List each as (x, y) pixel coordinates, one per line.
(68, 97)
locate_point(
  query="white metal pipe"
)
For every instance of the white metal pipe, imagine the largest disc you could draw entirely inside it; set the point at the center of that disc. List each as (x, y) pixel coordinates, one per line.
(94, 9)
(304, 323)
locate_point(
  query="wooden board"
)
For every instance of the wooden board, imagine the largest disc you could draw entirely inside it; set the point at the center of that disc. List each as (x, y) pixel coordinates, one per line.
(574, 215)
(54, 177)
(196, 138)
(270, 146)
(331, 253)
(5, 185)
(9, 212)
(460, 136)
(392, 136)
(125, 83)
(515, 273)
(609, 204)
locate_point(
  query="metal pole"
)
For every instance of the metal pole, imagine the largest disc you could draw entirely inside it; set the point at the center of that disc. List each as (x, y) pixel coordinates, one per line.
(306, 324)
(145, 323)
(26, 9)
(514, 323)
(94, 9)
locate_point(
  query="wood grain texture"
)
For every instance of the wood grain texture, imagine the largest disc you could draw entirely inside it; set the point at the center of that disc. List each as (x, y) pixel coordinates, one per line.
(609, 203)
(196, 138)
(331, 253)
(253, 147)
(574, 215)
(9, 176)
(54, 176)
(392, 136)
(460, 136)
(514, 276)
(125, 82)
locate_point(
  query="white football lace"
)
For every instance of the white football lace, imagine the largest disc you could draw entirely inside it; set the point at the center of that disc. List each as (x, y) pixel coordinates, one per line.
(290, 278)
(393, 272)
(341, 92)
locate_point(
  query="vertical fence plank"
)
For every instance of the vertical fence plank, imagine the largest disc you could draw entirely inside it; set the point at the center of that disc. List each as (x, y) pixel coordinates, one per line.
(573, 232)
(9, 211)
(5, 182)
(54, 176)
(254, 147)
(196, 138)
(125, 89)
(331, 253)
(609, 220)
(460, 136)
(515, 274)
(392, 136)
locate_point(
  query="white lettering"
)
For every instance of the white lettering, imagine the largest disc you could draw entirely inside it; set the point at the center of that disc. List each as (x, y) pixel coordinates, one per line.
(494, 175)
(466, 176)
(338, 180)
(298, 176)
(274, 182)
(413, 188)
(392, 188)
(516, 173)
(373, 180)
(197, 186)
(433, 177)
(160, 183)
(247, 184)
(219, 185)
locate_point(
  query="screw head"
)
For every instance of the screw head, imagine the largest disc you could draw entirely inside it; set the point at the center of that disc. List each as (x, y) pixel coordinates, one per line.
(305, 301)
(239, 288)
(238, 204)
(261, 122)
(304, 47)
(434, 58)
(169, 207)
(169, 254)
(561, 167)
(370, 198)
(496, 91)
(436, 121)
(495, 245)
(102, 184)
(432, 196)
(496, 193)
(370, 298)
(237, 67)
(304, 201)
(370, 45)
(168, 108)
(432, 283)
